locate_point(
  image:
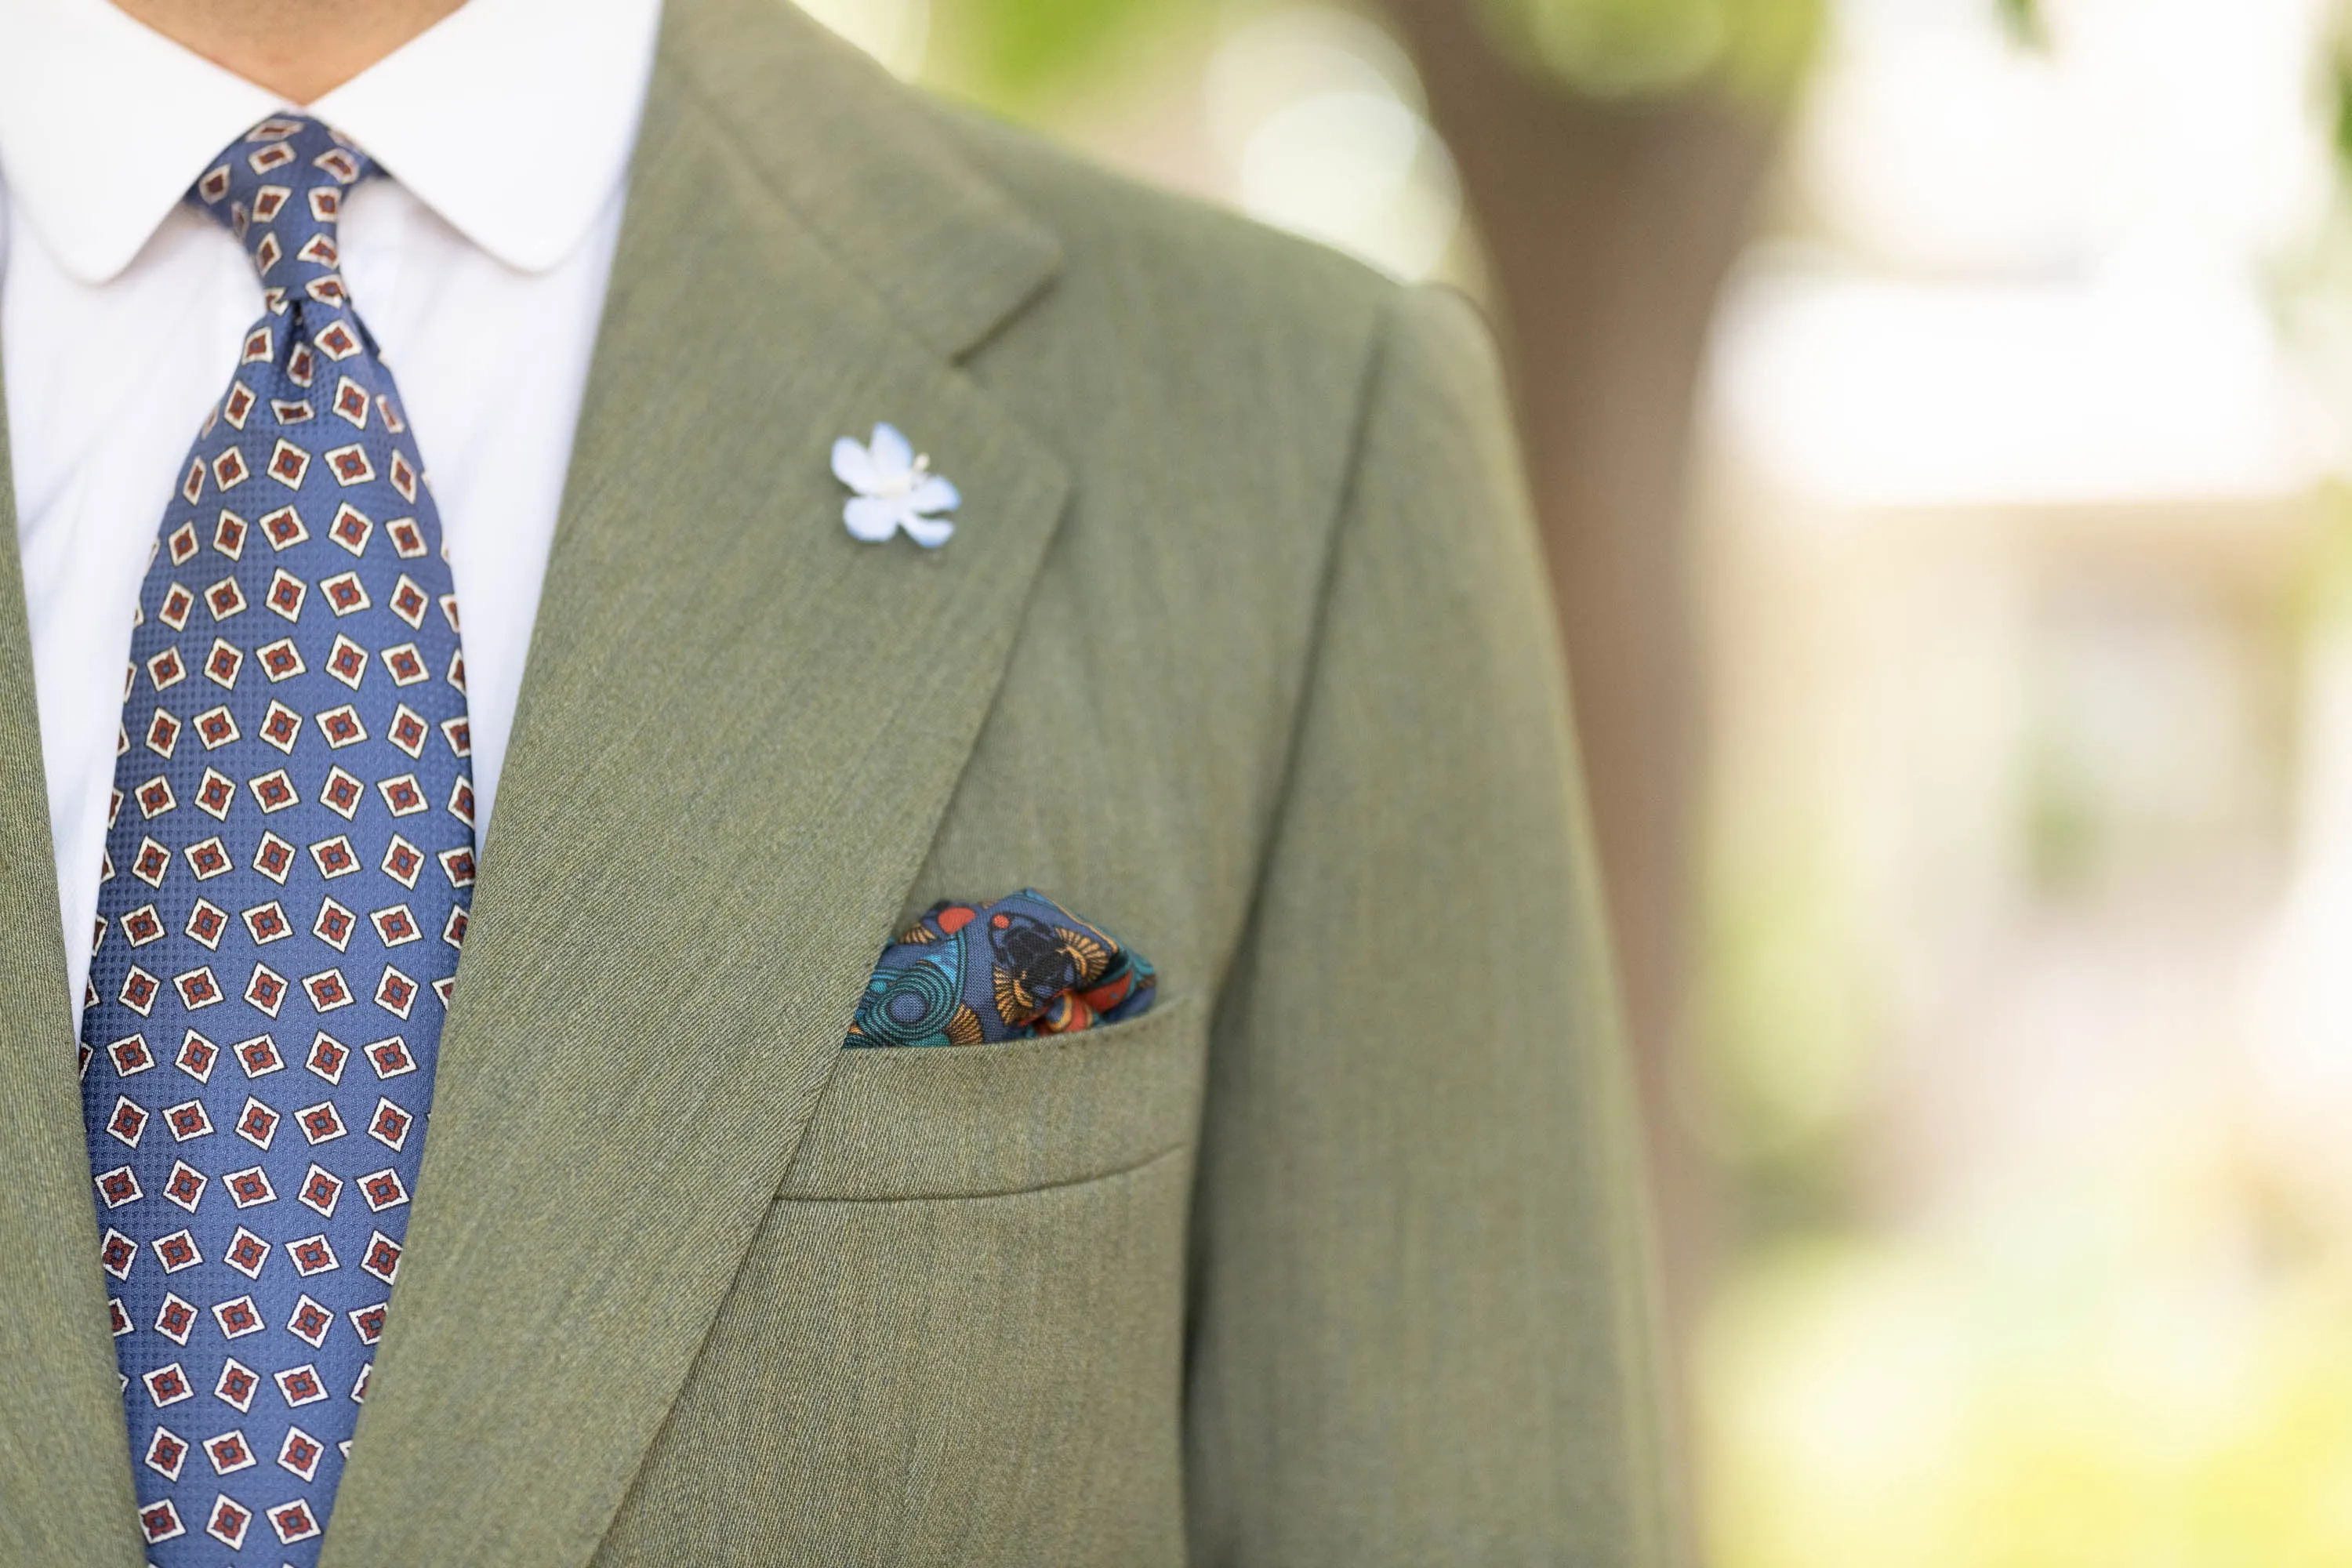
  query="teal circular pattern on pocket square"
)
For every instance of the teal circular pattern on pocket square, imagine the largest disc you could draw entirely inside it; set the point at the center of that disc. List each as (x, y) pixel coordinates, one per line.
(974, 975)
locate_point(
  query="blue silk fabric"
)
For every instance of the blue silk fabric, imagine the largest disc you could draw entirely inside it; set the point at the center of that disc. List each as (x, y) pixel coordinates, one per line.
(288, 871)
(974, 975)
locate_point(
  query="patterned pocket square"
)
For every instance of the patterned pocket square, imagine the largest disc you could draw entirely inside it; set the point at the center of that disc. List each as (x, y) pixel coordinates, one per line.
(974, 975)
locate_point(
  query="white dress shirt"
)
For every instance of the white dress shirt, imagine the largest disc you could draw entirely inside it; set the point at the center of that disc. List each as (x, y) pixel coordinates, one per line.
(479, 262)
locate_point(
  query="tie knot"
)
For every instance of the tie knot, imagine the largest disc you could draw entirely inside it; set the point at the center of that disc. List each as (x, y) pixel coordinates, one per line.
(279, 189)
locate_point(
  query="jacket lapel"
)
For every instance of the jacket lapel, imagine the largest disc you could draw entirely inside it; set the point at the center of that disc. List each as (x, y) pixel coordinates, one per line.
(65, 1463)
(737, 730)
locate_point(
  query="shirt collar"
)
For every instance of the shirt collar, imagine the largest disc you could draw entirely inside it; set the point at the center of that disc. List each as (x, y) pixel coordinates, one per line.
(513, 119)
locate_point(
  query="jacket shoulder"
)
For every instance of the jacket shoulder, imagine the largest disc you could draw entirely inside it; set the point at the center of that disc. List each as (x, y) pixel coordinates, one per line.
(1176, 265)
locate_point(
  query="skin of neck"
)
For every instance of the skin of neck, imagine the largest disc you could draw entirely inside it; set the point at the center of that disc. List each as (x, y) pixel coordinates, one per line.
(299, 49)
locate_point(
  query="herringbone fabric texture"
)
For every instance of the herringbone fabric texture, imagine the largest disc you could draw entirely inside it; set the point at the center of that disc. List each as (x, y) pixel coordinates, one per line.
(1334, 1259)
(284, 895)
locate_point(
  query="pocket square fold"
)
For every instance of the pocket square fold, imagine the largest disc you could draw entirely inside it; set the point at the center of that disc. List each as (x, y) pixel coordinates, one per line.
(977, 973)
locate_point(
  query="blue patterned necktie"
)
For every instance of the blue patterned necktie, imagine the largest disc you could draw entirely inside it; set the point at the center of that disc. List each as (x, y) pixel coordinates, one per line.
(288, 863)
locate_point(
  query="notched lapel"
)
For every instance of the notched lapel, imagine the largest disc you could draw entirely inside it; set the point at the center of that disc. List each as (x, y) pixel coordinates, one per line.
(737, 730)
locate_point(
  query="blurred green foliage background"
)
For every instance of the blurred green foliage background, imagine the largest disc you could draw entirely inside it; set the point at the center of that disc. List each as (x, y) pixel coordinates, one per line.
(1018, 54)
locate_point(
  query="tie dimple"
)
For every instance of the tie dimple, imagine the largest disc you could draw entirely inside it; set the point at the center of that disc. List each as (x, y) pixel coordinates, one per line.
(288, 868)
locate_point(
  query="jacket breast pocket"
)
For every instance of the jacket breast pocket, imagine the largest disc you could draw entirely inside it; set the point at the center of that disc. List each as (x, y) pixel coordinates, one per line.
(959, 1338)
(975, 1121)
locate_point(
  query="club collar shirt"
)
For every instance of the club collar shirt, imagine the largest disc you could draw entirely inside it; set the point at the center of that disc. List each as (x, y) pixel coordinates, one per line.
(506, 133)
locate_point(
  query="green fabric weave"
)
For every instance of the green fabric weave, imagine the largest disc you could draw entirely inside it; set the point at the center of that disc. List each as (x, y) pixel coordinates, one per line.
(1335, 1258)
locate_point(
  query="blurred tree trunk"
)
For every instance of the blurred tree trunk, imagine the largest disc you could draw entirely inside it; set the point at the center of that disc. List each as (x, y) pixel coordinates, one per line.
(1608, 227)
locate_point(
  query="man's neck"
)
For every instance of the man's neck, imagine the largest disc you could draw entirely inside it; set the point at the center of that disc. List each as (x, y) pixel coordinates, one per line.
(301, 48)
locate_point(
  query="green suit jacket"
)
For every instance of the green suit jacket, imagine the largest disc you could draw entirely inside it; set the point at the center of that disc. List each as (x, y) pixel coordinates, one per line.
(1239, 649)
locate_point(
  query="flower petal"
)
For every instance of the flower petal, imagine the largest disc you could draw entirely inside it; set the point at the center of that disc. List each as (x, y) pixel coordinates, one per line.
(934, 494)
(931, 532)
(892, 456)
(872, 518)
(854, 465)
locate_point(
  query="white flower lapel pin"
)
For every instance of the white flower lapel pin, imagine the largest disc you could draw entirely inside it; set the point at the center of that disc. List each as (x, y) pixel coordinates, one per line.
(895, 488)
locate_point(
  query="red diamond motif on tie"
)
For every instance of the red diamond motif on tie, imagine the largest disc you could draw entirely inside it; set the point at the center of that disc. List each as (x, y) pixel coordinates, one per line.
(289, 702)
